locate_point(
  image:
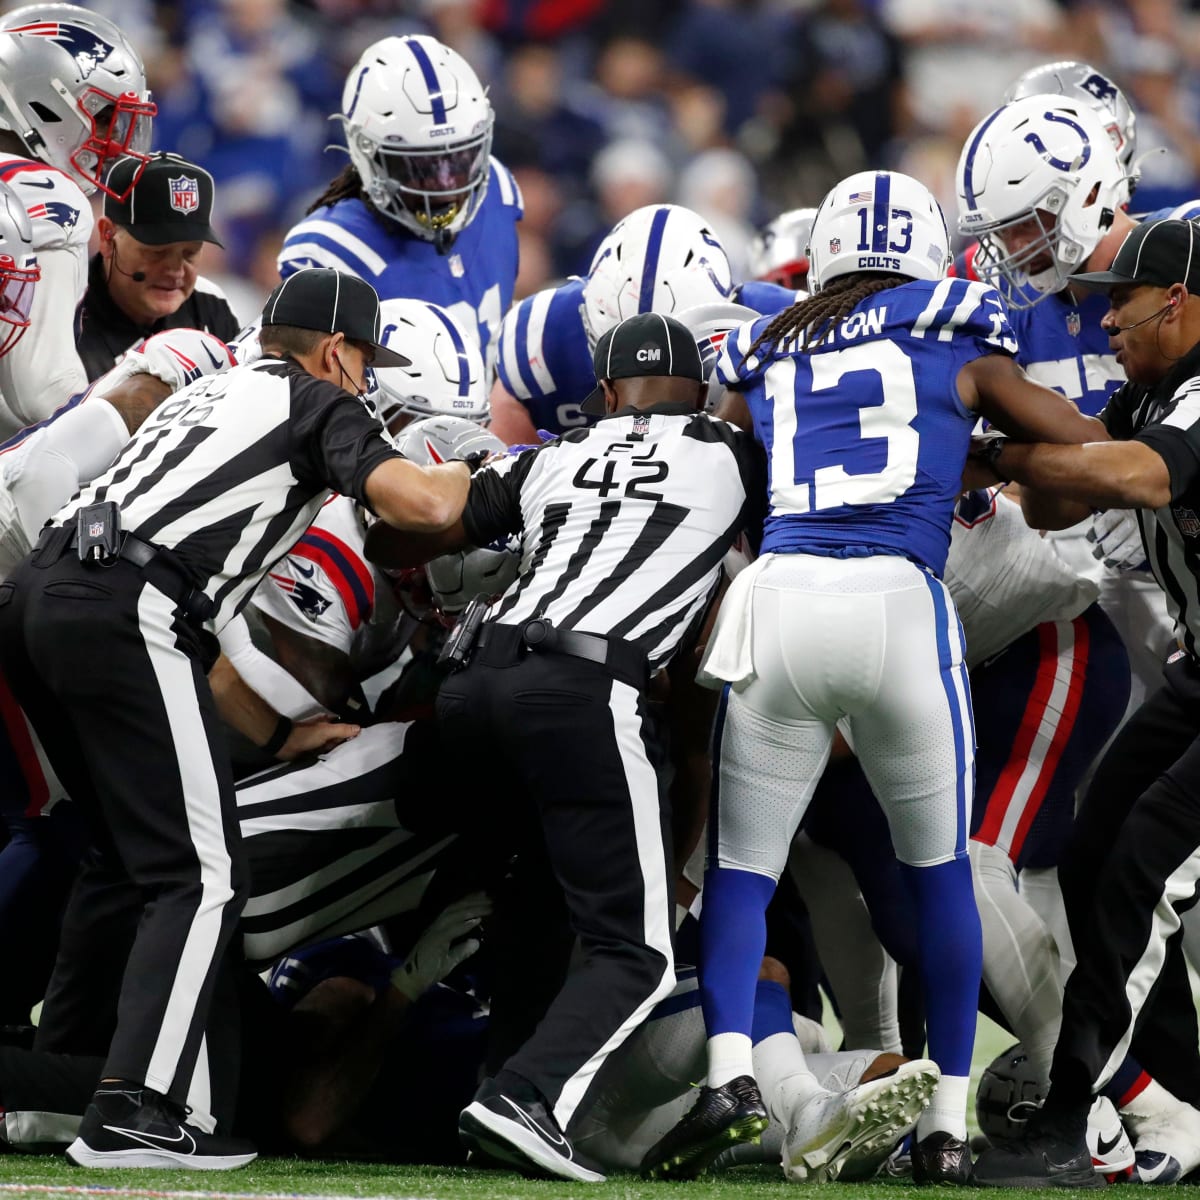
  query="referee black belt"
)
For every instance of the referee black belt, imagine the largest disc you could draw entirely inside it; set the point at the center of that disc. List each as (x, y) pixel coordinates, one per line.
(159, 566)
(503, 645)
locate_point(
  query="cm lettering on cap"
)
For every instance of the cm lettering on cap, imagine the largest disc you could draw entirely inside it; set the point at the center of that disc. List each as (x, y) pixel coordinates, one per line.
(649, 354)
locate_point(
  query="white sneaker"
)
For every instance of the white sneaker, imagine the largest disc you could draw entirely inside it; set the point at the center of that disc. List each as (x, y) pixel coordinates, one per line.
(849, 1135)
(1109, 1144)
(1166, 1136)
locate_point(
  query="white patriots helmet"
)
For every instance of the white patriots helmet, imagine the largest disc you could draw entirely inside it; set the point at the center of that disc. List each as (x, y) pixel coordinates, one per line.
(456, 579)
(779, 254)
(419, 130)
(1081, 81)
(19, 270)
(445, 375)
(710, 324)
(662, 258)
(73, 90)
(1010, 1092)
(1043, 168)
(879, 221)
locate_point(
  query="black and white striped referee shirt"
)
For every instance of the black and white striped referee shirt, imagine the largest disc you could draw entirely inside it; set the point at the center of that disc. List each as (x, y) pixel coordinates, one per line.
(1167, 418)
(624, 524)
(230, 471)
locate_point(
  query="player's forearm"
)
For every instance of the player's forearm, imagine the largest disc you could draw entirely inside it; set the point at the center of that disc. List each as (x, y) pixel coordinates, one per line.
(1095, 475)
(419, 499)
(240, 705)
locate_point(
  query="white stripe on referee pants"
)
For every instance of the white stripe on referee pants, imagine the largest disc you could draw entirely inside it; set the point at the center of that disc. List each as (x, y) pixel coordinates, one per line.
(642, 783)
(202, 808)
(1165, 922)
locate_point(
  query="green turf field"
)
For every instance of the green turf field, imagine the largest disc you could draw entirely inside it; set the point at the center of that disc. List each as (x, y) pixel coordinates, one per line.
(27, 1178)
(33, 1177)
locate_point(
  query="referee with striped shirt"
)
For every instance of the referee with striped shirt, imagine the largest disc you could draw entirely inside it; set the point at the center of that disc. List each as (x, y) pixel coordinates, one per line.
(1133, 864)
(106, 637)
(624, 527)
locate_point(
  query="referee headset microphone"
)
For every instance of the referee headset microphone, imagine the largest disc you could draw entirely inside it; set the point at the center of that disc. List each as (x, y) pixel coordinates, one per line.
(136, 276)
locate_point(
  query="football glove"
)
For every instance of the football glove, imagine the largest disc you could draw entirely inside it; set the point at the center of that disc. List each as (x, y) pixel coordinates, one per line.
(1117, 540)
(442, 946)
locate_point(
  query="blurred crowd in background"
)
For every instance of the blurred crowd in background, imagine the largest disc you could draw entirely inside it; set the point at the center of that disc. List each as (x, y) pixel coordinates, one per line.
(735, 108)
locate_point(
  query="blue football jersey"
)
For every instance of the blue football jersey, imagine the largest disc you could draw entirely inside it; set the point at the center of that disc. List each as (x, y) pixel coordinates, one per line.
(545, 361)
(1181, 212)
(866, 436)
(473, 280)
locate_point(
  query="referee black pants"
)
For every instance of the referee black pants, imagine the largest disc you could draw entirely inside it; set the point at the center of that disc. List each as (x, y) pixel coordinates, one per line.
(1131, 869)
(114, 680)
(578, 742)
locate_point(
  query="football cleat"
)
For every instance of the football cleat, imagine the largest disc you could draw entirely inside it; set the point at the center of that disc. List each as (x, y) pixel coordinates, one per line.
(885, 1111)
(1166, 1136)
(1108, 1143)
(721, 1117)
(940, 1157)
(126, 1125)
(520, 1133)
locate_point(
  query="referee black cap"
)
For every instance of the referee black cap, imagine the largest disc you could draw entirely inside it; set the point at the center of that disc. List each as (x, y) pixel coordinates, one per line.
(646, 344)
(331, 301)
(1155, 253)
(167, 199)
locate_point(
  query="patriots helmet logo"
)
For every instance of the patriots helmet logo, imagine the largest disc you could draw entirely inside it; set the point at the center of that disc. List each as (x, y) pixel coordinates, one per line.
(304, 596)
(88, 49)
(1101, 88)
(55, 211)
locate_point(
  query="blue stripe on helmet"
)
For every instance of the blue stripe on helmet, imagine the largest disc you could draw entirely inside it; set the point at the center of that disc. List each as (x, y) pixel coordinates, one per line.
(464, 365)
(969, 165)
(658, 226)
(431, 81)
(357, 91)
(882, 212)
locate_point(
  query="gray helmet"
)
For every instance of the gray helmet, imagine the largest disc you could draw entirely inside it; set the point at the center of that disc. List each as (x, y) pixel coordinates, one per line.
(19, 270)
(779, 254)
(73, 89)
(456, 579)
(1081, 81)
(1010, 1092)
(709, 324)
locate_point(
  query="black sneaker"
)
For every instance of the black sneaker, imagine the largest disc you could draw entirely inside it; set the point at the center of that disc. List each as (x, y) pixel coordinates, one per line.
(1051, 1153)
(130, 1126)
(941, 1157)
(521, 1132)
(720, 1118)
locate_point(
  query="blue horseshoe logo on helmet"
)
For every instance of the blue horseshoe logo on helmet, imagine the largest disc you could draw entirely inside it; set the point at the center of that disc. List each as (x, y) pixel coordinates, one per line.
(1058, 163)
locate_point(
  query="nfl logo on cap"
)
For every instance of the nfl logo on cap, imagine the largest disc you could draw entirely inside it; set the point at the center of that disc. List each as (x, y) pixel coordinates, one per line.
(185, 194)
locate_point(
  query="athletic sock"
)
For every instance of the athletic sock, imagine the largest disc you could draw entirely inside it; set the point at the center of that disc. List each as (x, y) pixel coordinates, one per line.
(947, 1111)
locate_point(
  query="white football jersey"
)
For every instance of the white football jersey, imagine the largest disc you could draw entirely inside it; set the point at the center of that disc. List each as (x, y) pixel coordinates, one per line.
(324, 588)
(43, 370)
(1004, 577)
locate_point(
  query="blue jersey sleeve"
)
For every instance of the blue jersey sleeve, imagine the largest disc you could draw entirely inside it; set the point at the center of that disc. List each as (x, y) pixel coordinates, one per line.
(735, 367)
(545, 362)
(765, 298)
(970, 314)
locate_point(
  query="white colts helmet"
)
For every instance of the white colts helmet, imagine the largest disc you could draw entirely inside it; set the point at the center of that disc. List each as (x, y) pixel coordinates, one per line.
(1042, 170)
(445, 375)
(779, 254)
(1081, 81)
(661, 258)
(419, 130)
(19, 270)
(73, 90)
(879, 221)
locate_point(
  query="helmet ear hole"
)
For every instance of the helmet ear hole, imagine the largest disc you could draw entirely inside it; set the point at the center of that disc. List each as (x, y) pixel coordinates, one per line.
(43, 113)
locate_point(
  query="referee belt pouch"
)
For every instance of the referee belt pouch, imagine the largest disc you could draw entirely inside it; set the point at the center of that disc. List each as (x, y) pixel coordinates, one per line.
(503, 645)
(159, 566)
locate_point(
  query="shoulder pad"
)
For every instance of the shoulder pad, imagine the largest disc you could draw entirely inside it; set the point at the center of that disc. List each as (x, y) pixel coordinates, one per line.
(60, 212)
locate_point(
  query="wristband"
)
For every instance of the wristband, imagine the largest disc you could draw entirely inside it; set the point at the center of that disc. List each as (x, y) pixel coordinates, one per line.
(283, 731)
(475, 459)
(990, 454)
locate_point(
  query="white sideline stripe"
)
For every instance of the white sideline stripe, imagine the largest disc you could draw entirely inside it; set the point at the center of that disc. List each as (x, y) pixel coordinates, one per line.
(55, 1189)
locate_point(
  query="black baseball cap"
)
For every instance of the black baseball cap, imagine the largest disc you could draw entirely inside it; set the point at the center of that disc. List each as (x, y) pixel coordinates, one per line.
(1155, 253)
(331, 301)
(171, 202)
(647, 344)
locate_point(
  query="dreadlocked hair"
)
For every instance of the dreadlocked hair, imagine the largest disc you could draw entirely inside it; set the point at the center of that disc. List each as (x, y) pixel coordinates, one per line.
(817, 317)
(345, 185)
